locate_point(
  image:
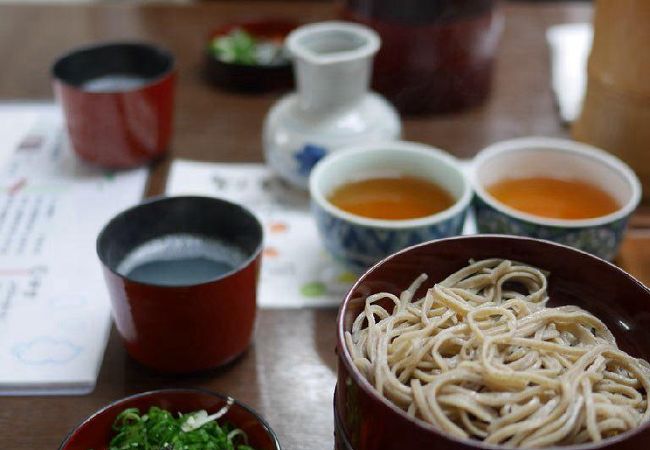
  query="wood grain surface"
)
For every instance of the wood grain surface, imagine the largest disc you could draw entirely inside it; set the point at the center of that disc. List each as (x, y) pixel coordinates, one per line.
(289, 373)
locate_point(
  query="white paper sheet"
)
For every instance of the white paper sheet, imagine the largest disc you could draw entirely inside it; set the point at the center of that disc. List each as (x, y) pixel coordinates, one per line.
(570, 44)
(296, 270)
(54, 307)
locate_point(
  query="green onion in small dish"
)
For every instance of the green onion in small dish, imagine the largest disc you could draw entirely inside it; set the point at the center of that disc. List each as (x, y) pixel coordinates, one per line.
(159, 429)
(249, 56)
(241, 47)
(173, 419)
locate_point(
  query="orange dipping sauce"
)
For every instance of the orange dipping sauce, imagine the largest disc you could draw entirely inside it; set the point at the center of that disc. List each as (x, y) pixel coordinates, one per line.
(554, 198)
(399, 198)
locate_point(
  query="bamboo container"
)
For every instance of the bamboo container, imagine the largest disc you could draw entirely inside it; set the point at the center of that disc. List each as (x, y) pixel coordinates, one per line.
(616, 110)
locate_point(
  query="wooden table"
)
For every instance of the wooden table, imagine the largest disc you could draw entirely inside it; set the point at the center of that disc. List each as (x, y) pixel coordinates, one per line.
(289, 374)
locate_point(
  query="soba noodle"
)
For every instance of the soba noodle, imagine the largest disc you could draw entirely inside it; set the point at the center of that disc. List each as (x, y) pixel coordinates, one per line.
(481, 356)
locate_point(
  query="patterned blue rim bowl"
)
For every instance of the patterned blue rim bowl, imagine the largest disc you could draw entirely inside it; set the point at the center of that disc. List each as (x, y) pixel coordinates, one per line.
(359, 242)
(558, 158)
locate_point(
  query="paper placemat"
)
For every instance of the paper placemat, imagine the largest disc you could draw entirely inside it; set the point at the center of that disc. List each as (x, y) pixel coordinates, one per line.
(570, 44)
(296, 270)
(54, 307)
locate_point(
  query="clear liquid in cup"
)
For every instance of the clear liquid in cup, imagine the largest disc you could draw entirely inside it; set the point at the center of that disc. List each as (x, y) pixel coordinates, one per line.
(181, 260)
(113, 83)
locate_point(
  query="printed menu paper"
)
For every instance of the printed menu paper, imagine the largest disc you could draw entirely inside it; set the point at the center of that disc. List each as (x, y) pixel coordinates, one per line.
(296, 270)
(54, 306)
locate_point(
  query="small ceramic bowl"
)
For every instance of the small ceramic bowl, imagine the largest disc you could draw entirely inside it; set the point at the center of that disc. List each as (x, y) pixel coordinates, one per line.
(96, 431)
(251, 78)
(358, 242)
(366, 420)
(556, 158)
(153, 315)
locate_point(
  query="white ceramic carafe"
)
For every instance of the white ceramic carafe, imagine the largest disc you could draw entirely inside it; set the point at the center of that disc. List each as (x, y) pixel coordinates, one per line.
(333, 107)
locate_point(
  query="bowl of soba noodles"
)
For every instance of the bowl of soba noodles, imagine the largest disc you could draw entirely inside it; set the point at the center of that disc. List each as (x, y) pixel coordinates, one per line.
(491, 342)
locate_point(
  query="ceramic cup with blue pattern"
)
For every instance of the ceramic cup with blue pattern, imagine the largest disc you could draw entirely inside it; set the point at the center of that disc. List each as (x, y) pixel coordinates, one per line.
(555, 158)
(359, 242)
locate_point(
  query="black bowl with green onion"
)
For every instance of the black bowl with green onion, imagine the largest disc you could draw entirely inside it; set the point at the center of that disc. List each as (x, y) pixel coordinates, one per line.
(173, 419)
(250, 56)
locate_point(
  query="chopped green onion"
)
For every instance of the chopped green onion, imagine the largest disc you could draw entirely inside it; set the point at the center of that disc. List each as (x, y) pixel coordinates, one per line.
(160, 430)
(240, 47)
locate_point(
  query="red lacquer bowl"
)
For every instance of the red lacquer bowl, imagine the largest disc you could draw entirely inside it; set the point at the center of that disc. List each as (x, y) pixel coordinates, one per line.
(96, 431)
(367, 421)
(435, 56)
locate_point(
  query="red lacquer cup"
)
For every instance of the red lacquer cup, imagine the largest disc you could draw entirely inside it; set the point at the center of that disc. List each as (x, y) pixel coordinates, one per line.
(183, 327)
(117, 99)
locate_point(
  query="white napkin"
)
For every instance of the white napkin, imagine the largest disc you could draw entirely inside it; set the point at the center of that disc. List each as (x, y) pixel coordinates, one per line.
(570, 45)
